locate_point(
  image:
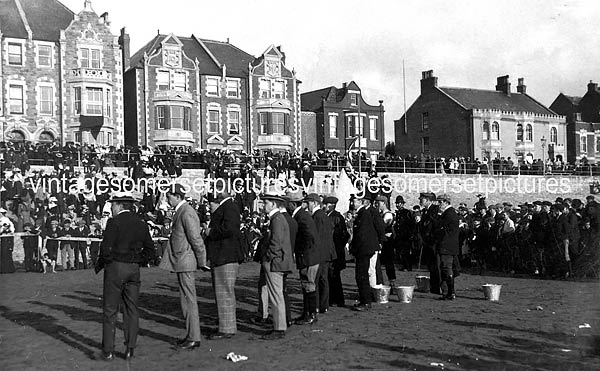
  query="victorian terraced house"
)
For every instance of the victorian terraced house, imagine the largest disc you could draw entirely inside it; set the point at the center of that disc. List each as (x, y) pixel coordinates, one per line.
(188, 92)
(61, 74)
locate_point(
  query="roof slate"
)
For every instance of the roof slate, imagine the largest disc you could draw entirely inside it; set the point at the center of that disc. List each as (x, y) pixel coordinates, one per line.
(234, 58)
(312, 100)
(45, 18)
(10, 20)
(491, 99)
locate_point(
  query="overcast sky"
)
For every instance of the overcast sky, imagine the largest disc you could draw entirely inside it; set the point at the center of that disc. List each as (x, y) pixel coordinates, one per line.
(554, 45)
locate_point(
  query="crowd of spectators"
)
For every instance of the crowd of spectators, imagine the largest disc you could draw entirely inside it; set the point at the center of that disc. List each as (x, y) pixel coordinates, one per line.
(172, 160)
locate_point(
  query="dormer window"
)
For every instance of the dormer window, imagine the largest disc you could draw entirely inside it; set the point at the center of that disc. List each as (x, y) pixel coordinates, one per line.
(353, 99)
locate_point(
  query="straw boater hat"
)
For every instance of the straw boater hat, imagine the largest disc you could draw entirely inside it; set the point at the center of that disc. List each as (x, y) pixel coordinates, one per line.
(122, 197)
(273, 197)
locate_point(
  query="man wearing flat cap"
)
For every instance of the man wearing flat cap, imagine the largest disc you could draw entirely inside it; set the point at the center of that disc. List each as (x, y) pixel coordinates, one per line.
(447, 231)
(126, 243)
(326, 252)
(306, 253)
(225, 254)
(428, 254)
(277, 261)
(340, 238)
(184, 255)
(539, 226)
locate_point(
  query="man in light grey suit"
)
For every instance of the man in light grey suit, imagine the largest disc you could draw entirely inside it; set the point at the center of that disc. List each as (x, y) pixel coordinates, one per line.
(185, 255)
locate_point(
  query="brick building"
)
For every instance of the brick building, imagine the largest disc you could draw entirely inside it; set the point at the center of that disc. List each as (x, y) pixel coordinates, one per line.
(583, 123)
(448, 122)
(335, 122)
(198, 93)
(61, 74)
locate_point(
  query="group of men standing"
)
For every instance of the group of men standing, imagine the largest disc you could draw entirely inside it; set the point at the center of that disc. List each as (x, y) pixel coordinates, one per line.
(305, 233)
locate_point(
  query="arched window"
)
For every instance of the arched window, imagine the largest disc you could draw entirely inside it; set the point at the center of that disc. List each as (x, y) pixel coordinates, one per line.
(16, 136)
(529, 133)
(553, 135)
(486, 131)
(46, 137)
(495, 131)
(519, 133)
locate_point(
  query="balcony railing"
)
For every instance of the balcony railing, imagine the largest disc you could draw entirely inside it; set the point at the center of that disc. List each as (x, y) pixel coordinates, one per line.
(91, 74)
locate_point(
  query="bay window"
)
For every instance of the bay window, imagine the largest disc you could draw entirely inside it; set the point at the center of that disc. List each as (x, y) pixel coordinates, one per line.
(94, 101)
(172, 117)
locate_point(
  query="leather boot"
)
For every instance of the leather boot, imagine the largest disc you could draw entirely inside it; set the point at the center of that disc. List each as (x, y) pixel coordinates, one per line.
(312, 310)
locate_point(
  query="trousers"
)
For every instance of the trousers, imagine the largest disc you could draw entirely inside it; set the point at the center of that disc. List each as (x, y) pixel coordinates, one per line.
(121, 285)
(189, 305)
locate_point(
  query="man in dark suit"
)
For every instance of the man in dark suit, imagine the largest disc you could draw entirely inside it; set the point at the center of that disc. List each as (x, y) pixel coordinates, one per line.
(428, 226)
(307, 257)
(340, 238)
(126, 243)
(447, 231)
(293, 232)
(225, 254)
(277, 260)
(364, 245)
(184, 254)
(326, 249)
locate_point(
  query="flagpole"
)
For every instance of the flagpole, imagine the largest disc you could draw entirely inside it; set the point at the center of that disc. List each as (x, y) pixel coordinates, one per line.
(404, 88)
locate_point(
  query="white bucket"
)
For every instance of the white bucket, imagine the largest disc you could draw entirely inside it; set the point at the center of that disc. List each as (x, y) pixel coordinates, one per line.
(383, 294)
(405, 293)
(491, 292)
(422, 283)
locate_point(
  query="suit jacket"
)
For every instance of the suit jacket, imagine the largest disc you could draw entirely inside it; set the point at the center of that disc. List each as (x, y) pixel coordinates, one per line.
(126, 239)
(278, 248)
(428, 225)
(447, 232)
(340, 236)
(365, 241)
(293, 228)
(305, 247)
(561, 228)
(223, 244)
(324, 236)
(378, 223)
(186, 249)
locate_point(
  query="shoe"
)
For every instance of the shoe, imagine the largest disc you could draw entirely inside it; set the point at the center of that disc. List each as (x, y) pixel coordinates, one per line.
(107, 356)
(361, 307)
(260, 321)
(323, 311)
(309, 320)
(129, 353)
(219, 336)
(290, 324)
(189, 345)
(181, 341)
(274, 335)
(302, 318)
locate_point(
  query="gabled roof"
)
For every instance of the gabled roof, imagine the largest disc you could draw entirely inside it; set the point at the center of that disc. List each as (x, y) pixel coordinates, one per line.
(46, 18)
(11, 22)
(234, 58)
(312, 100)
(573, 99)
(491, 99)
(210, 59)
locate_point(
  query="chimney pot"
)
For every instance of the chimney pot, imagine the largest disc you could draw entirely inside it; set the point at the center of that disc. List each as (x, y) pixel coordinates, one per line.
(428, 80)
(521, 87)
(592, 86)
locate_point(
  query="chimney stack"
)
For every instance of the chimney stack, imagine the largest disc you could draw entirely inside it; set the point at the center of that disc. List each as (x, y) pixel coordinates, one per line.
(124, 42)
(503, 85)
(344, 85)
(521, 88)
(104, 17)
(428, 80)
(592, 86)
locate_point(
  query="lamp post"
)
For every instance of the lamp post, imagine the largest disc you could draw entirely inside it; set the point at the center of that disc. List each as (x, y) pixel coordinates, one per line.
(543, 140)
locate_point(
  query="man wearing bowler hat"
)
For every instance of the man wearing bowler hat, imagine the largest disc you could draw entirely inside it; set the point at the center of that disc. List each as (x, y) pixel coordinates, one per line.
(404, 226)
(126, 243)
